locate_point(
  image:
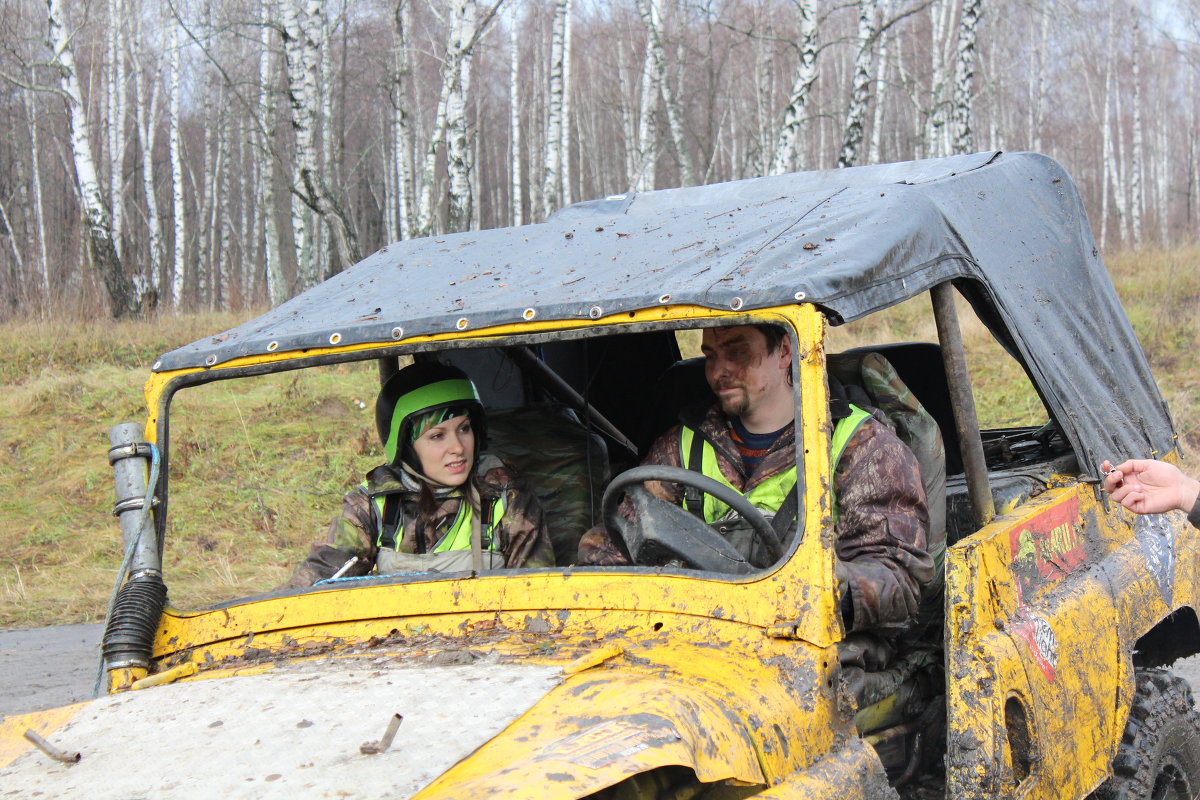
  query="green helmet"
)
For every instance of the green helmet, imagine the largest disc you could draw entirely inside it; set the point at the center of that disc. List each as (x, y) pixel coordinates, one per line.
(426, 388)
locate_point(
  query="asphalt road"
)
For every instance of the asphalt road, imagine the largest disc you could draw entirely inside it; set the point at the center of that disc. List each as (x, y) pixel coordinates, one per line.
(48, 667)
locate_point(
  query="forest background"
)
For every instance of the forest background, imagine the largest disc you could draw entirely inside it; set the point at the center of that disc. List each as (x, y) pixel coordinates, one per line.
(227, 154)
(182, 165)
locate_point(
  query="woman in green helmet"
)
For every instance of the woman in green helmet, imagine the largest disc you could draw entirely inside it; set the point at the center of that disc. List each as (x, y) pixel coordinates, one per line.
(438, 504)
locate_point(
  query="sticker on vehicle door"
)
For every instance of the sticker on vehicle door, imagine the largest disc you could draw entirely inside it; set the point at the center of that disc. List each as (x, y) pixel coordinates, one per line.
(1156, 537)
(1046, 547)
(1035, 631)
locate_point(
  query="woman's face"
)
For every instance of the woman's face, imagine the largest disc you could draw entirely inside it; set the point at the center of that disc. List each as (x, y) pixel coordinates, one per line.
(447, 451)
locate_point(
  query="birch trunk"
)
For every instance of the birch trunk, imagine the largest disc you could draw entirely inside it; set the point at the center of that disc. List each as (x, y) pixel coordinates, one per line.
(301, 27)
(964, 77)
(146, 102)
(942, 13)
(875, 144)
(179, 253)
(402, 138)
(788, 156)
(514, 125)
(657, 58)
(567, 119)
(1037, 102)
(458, 147)
(97, 223)
(425, 210)
(856, 114)
(6, 226)
(642, 178)
(1136, 164)
(35, 174)
(1120, 171)
(116, 118)
(552, 170)
(267, 78)
(1106, 153)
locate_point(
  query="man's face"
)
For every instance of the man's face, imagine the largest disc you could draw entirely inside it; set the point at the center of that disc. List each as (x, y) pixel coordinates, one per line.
(741, 371)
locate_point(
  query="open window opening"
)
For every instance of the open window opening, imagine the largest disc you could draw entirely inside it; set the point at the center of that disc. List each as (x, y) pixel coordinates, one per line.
(569, 411)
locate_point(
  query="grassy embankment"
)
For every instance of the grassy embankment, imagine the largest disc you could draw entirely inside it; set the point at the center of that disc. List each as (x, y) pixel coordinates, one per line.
(284, 448)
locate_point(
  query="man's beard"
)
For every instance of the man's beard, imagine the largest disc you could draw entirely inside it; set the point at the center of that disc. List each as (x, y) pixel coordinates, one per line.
(735, 405)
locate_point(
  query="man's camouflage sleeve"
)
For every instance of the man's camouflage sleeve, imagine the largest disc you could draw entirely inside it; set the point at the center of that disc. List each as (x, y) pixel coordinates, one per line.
(881, 530)
(596, 548)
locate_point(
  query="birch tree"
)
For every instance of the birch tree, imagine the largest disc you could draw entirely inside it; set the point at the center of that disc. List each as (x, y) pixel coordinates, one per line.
(517, 189)
(964, 77)
(148, 283)
(942, 14)
(788, 155)
(304, 33)
(402, 137)
(552, 172)
(868, 24)
(264, 136)
(464, 27)
(35, 173)
(97, 222)
(657, 59)
(646, 141)
(1138, 159)
(115, 116)
(464, 16)
(178, 206)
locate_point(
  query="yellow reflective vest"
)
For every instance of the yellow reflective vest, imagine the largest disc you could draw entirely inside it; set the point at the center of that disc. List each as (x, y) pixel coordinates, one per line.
(458, 537)
(769, 495)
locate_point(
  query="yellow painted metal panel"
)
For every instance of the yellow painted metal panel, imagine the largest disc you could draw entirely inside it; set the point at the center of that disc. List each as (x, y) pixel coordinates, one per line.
(12, 729)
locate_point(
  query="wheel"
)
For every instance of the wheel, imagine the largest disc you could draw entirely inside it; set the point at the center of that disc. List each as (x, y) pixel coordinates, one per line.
(1159, 755)
(662, 530)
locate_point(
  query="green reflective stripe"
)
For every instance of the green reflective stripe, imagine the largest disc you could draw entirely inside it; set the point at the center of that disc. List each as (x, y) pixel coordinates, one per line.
(459, 535)
(448, 391)
(842, 433)
(766, 496)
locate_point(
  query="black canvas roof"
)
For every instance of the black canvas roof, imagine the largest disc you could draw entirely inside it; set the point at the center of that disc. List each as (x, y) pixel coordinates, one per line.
(1008, 228)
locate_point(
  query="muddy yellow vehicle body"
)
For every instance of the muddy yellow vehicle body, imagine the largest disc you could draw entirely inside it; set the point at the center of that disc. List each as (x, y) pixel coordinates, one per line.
(666, 680)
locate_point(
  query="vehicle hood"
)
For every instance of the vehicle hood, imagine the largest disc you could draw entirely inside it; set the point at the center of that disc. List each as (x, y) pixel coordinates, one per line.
(489, 728)
(293, 731)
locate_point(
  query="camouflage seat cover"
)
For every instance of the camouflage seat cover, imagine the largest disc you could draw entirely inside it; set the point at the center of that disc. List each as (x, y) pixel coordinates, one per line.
(876, 376)
(552, 449)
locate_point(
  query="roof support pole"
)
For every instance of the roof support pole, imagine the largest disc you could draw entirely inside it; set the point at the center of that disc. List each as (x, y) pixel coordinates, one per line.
(963, 402)
(388, 366)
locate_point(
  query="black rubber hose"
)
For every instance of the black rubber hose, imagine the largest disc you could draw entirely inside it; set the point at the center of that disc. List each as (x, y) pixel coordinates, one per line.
(129, 633)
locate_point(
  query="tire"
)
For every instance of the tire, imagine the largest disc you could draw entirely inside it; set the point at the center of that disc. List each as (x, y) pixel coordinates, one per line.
(1159, 754)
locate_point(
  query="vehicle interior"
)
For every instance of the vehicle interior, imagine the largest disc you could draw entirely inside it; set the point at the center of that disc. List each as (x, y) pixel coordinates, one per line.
(574, 412)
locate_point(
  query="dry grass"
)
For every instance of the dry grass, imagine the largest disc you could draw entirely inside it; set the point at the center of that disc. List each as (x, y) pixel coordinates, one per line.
(258, 465)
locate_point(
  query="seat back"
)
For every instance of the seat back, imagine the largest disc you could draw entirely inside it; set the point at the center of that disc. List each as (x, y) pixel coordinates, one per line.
(565, 464)
(874, 374)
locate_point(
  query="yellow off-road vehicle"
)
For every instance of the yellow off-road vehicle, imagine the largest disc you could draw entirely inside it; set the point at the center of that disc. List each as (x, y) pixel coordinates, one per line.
(685, 675)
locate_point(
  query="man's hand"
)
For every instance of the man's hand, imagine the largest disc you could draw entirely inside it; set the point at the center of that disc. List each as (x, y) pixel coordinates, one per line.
(1145, 486)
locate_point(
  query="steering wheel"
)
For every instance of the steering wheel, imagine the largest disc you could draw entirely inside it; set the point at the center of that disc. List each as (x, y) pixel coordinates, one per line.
(664, 531)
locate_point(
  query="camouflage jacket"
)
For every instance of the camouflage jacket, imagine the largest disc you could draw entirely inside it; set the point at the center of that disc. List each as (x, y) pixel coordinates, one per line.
(521, 531)
(881, 525)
